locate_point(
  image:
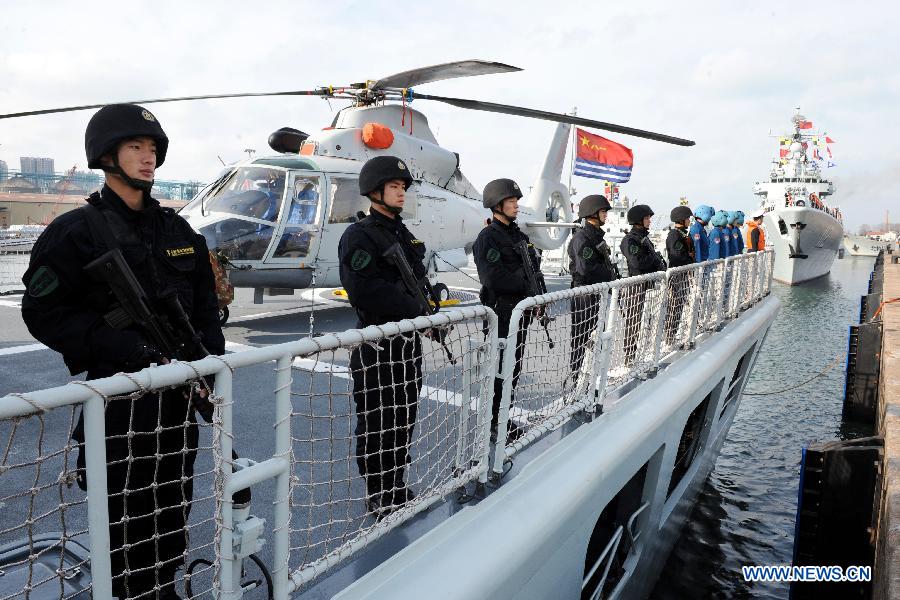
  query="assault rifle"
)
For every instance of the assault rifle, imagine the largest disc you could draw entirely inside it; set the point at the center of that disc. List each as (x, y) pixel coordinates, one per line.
(414, 286)
(603, 249)
(172, 333)
(537, 286)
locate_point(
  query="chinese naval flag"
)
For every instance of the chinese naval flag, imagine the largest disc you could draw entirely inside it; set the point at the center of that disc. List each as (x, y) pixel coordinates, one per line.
(600, 158)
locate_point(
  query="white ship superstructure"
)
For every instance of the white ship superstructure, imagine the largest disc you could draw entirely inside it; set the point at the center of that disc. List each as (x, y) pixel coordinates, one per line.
(616, 226)
(800, 226)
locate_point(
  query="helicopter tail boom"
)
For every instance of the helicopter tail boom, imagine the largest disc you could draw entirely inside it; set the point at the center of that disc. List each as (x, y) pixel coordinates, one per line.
(548, 199)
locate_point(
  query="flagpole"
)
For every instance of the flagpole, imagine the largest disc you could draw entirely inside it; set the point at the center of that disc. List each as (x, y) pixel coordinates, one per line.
(572, 153)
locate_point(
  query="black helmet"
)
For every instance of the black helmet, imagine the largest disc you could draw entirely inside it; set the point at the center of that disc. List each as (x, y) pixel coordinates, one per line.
(637, 213)
(499, 190)
(115, 123)
(589, 205)
(680, 213)
(381, 169)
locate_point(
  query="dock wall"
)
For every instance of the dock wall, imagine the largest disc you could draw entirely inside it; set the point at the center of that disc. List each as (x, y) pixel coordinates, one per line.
(887, 557)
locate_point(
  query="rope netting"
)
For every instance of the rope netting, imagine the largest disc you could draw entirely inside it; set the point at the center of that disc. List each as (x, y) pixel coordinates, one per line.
(12, 266)
(161, 497)
(635, 325)
(368, 428)
(379, 431)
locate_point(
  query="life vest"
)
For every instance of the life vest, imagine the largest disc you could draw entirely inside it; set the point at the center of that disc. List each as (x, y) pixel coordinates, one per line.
(748, 240)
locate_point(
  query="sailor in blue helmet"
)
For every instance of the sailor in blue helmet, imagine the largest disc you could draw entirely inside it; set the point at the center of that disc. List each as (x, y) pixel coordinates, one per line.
(736, 232)
(717, 241)
(698, 232)
(730, 230)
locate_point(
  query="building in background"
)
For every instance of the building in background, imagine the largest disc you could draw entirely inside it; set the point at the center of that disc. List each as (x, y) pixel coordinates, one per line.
(38, 170)
(4, 170)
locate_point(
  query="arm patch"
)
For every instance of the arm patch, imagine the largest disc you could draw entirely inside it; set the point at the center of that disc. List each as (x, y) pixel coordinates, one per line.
(493, 255)
(587, 252)
(360, 259)
(43, 282)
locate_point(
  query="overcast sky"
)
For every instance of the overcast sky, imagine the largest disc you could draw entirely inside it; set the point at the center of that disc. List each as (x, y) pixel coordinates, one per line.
(721, 73)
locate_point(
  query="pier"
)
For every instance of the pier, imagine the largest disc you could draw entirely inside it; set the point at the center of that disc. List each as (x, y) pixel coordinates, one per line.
(887, 558)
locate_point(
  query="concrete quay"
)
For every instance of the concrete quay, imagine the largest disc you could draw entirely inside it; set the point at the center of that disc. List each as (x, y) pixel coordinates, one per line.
(887, 548)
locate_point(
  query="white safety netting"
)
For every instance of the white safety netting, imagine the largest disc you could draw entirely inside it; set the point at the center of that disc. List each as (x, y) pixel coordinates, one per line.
(367, 429)
(550, 360)
(160, 501)
(12, 266)
(379, 431)
(635, 324)
(682, 300)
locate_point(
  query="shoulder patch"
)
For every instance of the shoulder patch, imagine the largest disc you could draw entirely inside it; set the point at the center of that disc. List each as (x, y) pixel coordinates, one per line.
(415, 242)
(360, 259)
(43, 282)
(696, 236)
(716, 240)
(493, 255)
(632, 249)
(679, 245)
(587, 252)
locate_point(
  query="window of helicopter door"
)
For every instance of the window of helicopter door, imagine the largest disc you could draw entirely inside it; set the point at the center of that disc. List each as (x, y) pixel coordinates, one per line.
(347, 206)
(299, 233)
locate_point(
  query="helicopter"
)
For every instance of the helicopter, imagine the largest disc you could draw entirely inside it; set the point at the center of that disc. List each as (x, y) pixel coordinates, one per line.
(275, 221)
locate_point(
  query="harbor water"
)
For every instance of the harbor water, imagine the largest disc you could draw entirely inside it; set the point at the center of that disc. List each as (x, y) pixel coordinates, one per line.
(746, 510)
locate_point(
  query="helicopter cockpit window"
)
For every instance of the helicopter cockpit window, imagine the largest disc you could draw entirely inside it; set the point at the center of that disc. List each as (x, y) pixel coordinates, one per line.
(238, 239)
(346, 203)
(254, 192)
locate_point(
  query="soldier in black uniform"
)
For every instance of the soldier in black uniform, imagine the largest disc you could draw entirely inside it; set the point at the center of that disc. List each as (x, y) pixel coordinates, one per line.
(642, 258)
(590, 262)
(386, 380)
(63, 308)
(680, 250)
(502, 275)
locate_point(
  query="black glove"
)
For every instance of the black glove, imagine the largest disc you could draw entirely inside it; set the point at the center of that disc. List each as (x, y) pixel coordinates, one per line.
(204, 406)
(142, 355)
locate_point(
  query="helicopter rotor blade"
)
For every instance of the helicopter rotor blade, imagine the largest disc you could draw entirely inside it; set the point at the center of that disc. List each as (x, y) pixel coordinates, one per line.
(47, 111)
(551, 116)
(451, 70)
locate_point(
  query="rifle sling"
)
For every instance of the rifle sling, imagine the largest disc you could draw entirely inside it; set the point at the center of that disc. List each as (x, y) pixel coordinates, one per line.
(100, 229)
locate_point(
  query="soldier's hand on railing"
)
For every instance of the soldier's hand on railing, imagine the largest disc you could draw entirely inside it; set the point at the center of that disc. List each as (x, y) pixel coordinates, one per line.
(143, 355)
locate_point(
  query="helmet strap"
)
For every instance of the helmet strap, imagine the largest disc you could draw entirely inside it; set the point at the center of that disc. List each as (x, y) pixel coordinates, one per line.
(138, 184)
(498, 211)
(396, 210)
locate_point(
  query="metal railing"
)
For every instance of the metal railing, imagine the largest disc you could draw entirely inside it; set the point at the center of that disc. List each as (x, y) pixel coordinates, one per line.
(435, 403)
(319, 515)
(623, 330)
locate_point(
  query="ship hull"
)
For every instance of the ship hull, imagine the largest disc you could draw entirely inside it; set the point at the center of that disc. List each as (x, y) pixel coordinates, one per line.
(531, 538)
(805, 240)
(858, 245)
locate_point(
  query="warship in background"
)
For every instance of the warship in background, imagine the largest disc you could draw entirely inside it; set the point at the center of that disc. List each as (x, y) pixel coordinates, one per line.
(803, 230)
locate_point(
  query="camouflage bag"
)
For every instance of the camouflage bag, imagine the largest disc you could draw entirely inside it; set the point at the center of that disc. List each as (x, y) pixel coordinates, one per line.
(224, 289)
